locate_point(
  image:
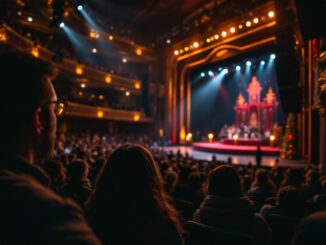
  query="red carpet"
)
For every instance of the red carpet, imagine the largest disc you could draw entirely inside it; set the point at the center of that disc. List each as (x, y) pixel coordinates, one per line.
(217, 147)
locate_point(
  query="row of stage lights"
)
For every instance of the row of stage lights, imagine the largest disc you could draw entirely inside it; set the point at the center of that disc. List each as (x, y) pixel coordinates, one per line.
(237, 68)
(93, 34)
(225, 33)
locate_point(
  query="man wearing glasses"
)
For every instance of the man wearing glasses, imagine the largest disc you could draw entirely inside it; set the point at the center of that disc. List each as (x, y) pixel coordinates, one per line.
(30, 213)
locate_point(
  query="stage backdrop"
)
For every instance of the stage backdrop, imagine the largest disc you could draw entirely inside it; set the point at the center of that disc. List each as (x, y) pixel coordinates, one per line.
(220, 94)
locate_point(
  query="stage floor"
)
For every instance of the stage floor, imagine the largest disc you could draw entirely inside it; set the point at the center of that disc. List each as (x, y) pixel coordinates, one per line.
(267, 161)
(217, 147)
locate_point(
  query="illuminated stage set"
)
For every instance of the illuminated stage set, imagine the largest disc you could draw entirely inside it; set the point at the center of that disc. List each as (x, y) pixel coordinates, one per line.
(223, 91)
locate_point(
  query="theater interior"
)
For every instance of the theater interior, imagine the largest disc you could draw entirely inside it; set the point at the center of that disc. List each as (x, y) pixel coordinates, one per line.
(233, 81)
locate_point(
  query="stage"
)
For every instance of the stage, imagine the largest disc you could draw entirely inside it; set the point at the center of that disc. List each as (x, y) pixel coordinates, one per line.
(243, 148)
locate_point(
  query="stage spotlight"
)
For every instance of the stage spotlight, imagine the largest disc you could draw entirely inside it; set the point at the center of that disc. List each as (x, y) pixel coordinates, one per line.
(238, 68)
(248, 63)
(196, 44)
(220, 69)
(80, 7)
(202, 74)
(232, 30)
(29, 19)
(127, 93)
(224, 33)
(176, 52)
(273, 56)
(83, 85)
(235, 137)
(94, 50)
(168, 41)
(62, 25)
(210, 73)
(262, 62)
(256, 20)
(225, 71)
(124, 60)
(272, 138)
(248, 23)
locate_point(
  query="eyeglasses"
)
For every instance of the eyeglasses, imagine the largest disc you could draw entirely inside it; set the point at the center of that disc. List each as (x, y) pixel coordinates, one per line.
(59, 106)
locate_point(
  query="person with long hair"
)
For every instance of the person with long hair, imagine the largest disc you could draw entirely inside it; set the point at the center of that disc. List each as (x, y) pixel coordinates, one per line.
(130, 205)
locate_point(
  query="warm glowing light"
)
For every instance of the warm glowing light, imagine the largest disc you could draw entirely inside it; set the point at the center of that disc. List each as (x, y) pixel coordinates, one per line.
(232, 30)
(176, 52)
(3, 36)
(83, 85)
(256, 20)
(235, 137)
(110, 37)
(35, 52)
(136, 117)
(139, 52)
(100, 114)
(108, 79)
(101, 97)
(272, 138)
(248, 23)
(181, 51)
(161, 132)
(196, 44)
(80, 93)
(124, 60)
(210, 136)
(240, 27)
(93, 34)
(127, 93)
(186, 49)
(94, 50)
(224, 34)
(271, 14)
(208, 40)
(79, 70)
(66, 13)
(189, 137)
(168, 41)
(137, 85)
(29, 19)
(216, 36)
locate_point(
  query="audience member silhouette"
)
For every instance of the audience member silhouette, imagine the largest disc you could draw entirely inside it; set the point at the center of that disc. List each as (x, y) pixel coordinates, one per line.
(31, 213)
(129, 205)
(227, 208)
(78, 186)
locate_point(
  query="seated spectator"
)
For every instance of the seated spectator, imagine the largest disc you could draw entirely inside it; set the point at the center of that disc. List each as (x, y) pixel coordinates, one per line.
(285, 215)
(289, 202)
(312, 185)
(57, 174)
(319, 200)
(311, 230)
(261, 189)
(32, 213)
(129, 205)
(79, 186)
(293, 177)
(227, 208)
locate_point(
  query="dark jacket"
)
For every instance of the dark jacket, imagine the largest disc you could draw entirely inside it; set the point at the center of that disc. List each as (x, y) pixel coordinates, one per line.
(233, 214)
(31, 213)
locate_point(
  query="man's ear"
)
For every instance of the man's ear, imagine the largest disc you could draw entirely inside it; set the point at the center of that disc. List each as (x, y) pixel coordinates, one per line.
(38, 122)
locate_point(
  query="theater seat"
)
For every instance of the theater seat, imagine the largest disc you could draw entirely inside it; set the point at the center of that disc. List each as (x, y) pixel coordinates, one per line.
(199, 234)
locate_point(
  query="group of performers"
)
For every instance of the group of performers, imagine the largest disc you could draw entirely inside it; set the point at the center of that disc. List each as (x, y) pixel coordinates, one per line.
(246, 132)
